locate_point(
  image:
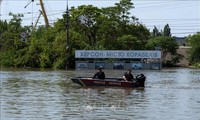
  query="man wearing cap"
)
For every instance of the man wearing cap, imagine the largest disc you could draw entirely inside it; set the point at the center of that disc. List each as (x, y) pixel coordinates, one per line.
(99, 74)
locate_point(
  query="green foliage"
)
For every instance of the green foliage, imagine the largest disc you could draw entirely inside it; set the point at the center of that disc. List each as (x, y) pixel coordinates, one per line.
(7, 57)
(3, 26)
(167, 30)
(90, 27)
(156, 32)
(196, 65)
(123, 8)
(85, 20)
(168, 45)
(194, 42)
(59, 63)
(128, 42)
(140, 31)
(59, 50)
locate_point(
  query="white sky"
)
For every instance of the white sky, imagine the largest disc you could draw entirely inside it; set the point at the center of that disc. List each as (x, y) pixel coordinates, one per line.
(183, 16)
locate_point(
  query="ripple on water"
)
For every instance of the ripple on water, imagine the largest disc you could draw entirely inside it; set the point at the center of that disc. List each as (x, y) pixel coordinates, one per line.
(30, 95)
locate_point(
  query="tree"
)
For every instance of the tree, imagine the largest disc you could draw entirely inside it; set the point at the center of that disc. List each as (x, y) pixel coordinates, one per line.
(128, 42)
(90, 28)
(156, 32)
(167, 30)
(194, 42)
(123, 8)
(139, 31)
(168, 45)
(10, 40)
(86, 21)
(3, 26)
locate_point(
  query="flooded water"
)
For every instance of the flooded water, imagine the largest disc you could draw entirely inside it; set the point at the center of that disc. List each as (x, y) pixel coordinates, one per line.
(170, 94)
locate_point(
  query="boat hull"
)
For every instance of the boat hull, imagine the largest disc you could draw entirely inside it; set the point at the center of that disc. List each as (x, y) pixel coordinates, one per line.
(118, 82)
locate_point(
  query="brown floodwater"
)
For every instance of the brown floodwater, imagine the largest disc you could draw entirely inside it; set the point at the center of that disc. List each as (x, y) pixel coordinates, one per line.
(170, 94)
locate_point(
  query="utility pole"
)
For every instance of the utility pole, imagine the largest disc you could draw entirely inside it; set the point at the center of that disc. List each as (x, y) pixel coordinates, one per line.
(44, 14)
(37, 20)
(67, 36)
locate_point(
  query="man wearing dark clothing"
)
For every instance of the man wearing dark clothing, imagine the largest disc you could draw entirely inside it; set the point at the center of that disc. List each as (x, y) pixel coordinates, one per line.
(100, 74)
(128, 75)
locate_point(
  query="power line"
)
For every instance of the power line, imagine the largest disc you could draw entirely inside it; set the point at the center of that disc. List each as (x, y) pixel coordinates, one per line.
(167, 4)
(182, 24)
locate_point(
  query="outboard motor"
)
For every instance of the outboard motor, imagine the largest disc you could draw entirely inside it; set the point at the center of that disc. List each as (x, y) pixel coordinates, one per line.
(140, 80)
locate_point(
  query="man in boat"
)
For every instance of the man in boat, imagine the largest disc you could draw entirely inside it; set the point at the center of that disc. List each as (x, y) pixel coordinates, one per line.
(128, 75)
(99, 74)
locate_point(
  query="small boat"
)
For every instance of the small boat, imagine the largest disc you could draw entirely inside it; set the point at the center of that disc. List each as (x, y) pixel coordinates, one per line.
(138, 81)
